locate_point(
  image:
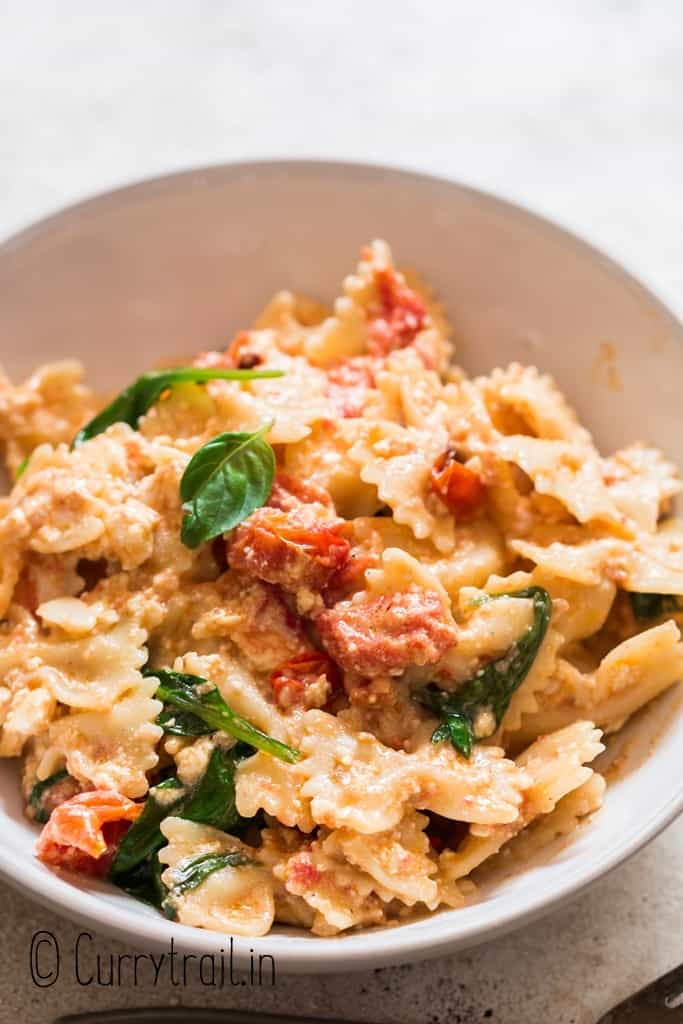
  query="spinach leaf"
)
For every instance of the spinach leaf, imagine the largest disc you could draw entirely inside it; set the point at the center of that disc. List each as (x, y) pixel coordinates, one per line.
(489, 692)
(182, 723)
(135, 400)
(193, 694)
(191, 873)
(42, 789)
(212, 800)
(135, 867)
(456, 728)
(653, 606)
(143, 882)
(229, 477)
(144, 837)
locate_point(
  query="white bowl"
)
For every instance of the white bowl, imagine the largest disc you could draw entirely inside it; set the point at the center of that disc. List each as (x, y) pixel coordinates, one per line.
(178, 264)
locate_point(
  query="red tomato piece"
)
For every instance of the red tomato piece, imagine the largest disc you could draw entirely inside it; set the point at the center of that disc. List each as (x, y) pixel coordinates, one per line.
(82, 833)
(401, 317)
(301, 873)
(460, 489)
(292, 549)
(294, 678)
(387, 634)
(351, 576)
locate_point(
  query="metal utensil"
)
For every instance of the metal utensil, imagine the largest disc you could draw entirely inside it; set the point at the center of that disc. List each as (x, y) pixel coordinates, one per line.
(658, 1003)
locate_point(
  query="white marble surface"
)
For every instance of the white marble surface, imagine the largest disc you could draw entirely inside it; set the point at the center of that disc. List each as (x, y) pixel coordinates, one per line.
(571, 108)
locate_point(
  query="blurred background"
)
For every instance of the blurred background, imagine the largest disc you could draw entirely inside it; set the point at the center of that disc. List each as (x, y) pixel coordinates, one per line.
(572, 108)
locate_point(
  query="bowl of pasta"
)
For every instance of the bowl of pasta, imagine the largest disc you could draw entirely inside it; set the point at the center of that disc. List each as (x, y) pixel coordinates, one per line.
(341, 579)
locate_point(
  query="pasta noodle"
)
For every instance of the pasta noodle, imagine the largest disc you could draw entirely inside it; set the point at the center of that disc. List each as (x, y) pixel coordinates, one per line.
(234, 900)
(554, 766)
(347, 625)
(114, 749)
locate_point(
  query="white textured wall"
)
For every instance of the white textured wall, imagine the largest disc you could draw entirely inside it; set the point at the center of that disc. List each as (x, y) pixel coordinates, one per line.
(574, 108)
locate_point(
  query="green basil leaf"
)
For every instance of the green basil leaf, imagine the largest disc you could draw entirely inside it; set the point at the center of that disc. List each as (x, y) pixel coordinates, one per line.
(653, 606)
(135, 400)
(224, 482)
(193, 694)
(22, 467)
(190, 874)
(491, 689)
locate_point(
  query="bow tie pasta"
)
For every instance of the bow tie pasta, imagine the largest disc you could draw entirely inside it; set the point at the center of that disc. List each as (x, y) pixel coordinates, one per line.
(317, 630)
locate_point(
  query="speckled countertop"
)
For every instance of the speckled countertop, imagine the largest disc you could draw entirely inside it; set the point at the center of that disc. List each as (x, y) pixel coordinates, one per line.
(573, 109)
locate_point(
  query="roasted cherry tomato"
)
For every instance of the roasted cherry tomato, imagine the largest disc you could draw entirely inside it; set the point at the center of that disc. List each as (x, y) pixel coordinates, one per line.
(401, 315)
(291, 680)
(83, 832)
(460, 489)
(290, 549)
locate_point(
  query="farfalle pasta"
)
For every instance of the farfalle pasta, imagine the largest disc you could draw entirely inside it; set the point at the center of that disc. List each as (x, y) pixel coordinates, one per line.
(317, 630)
